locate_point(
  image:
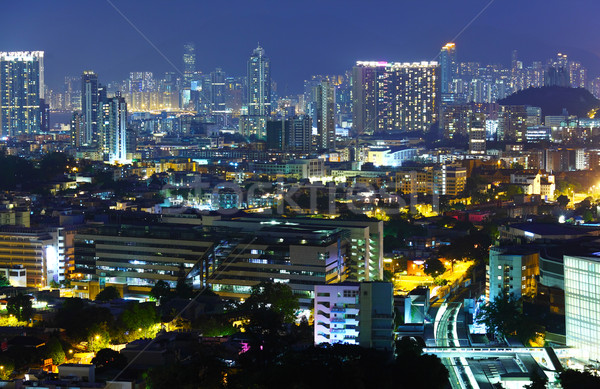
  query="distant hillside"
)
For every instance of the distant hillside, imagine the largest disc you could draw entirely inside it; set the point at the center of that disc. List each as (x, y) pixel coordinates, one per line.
(552, 100)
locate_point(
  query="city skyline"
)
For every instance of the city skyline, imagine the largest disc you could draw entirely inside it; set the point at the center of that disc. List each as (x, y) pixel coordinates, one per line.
(533, 29)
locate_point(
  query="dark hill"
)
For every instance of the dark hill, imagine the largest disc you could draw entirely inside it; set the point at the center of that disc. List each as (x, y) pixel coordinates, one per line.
(552, 100)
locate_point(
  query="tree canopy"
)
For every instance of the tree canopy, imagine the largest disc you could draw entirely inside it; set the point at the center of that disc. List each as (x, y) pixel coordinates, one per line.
(574, 379)
(434, 267)
(20, 307)
(277, 297)
(108, 294)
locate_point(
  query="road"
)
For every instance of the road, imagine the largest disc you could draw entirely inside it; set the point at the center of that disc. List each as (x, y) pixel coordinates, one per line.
(446, 336)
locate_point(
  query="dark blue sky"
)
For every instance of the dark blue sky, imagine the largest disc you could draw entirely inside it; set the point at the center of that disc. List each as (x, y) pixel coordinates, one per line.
(301, 37)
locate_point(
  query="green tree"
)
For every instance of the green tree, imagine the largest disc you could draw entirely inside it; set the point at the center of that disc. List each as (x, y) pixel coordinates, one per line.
(20, 307)
(108, 294)
(215, 326)
(7, 366)
(139, 317)
(98, 337)
(574, 379)
(562, 201)
(277, 297)
(160, 291)
(503, 316)
(434, 267)
(108, 358)
(54, 350)
(3, 281)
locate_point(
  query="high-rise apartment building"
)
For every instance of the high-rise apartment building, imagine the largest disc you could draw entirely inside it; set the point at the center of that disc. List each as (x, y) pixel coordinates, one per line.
(77, 130)
(189, 62)
(395, 96)
(114, 129)
(258, 95)
(21, 88)
(325, 103)
(512, 123)
(291, 134)
(456, 120)
(477, 133)
(90, 100)
(447, 67)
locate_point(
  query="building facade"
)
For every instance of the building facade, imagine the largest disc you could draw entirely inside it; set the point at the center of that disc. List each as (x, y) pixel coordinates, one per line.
(582, 306)
(512, 270)
(355, 313)
(90, 102)
(21, 88)
(114, 129)
(325, 102)
(395, 96)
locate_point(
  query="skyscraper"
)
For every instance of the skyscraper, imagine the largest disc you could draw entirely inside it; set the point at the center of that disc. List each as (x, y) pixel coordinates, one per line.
(395, 96)
(448, 67)
(114, 129)
(325, 102)
(21, 88)
(189, 62)
(90, 99)
(217, 90)
(259, 84)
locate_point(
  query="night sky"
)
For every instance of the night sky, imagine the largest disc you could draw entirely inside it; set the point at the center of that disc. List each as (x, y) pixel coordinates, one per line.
(302, 38)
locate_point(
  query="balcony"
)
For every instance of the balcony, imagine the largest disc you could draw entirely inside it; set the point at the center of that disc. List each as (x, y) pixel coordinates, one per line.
(338, 309)
(338, 320)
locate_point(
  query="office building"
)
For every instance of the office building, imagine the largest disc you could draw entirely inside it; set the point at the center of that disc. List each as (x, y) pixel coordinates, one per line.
(21, 88)
(39, 250)
(395, 96)
(114, 129)
(325, 111)
(512, 270)
(355, 313)
(299, 256)
(90, 101)
(448, 67)
(189, 62)
(582, 306)
(139, 256)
